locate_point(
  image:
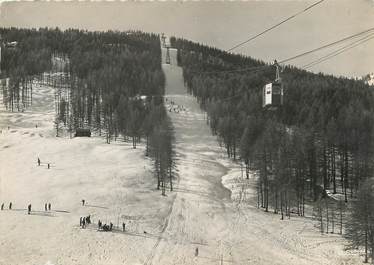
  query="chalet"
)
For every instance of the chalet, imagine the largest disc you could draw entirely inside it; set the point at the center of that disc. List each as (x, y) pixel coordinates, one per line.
(82, 132)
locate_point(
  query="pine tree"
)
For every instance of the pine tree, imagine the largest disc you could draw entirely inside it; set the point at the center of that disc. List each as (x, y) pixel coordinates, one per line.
(360, 227)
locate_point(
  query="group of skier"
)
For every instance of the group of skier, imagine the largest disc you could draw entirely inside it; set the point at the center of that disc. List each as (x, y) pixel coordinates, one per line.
(84, 221)
(48, 164)
(47, 207)
(10, 206)
(175, 107)
(104, 227)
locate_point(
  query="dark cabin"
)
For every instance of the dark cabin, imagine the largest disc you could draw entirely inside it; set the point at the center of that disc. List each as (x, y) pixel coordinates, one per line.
(82, 133)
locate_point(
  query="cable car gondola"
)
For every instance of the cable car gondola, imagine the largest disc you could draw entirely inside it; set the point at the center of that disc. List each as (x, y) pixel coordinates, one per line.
(272, 93)
(163, 38)
(167, 59)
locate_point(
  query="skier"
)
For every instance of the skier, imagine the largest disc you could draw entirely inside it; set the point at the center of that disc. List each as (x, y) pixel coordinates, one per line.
(49, 165)
(84, 222)
(45, 206)
(29, 209)
(196, 252)
(80, 221)
(10, 206)
(83, 202)
(38, 161)
(111, 226)
(49, 206)
(99, 224)
(2, 206)
(123, 227)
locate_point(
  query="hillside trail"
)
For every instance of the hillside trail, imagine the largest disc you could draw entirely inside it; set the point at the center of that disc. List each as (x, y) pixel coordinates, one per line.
(204, 216)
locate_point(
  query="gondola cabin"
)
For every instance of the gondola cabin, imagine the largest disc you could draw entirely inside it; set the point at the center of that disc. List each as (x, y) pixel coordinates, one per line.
(167, 59)
(272, 95)
(163, 38)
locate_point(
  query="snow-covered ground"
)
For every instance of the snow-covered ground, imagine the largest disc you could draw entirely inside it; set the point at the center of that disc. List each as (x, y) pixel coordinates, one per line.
(115, 180)
(226, 226)
(117, 184)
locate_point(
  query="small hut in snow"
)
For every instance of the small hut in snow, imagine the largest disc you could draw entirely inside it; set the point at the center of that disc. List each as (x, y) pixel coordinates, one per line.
(80, 132)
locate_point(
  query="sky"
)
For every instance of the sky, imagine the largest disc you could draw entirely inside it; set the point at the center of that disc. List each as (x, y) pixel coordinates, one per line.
(221, 24)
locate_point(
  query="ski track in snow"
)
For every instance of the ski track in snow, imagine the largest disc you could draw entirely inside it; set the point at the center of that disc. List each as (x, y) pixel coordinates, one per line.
(118, 185)
(230, 228)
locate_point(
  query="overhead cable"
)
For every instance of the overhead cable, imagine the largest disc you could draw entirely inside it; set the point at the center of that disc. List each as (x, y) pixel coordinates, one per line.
(276, 25)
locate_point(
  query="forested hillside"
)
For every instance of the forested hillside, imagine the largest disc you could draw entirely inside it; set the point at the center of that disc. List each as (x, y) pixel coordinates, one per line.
(316, 149)
(109, 82)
